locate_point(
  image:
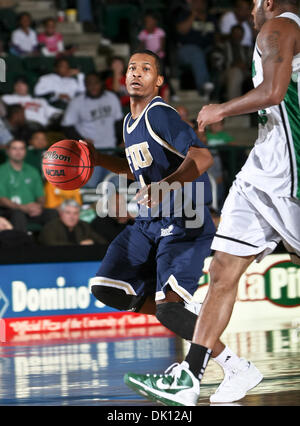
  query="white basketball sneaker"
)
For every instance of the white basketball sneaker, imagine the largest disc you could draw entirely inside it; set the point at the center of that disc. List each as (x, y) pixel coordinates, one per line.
(237, 383)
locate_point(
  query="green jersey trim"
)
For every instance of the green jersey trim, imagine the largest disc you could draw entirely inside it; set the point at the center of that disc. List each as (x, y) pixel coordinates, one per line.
(291, 102)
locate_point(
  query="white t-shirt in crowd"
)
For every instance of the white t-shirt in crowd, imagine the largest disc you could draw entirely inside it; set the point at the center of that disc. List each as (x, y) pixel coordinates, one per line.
(53, 83)
(94, 118)
(36, 109)
(228, 20)
(24, 42)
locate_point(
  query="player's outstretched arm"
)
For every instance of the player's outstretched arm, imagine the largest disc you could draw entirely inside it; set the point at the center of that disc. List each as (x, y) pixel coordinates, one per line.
(113, 163)
(276, 41)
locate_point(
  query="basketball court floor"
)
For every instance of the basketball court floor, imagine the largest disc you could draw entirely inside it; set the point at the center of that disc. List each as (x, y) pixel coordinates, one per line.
(87, 368)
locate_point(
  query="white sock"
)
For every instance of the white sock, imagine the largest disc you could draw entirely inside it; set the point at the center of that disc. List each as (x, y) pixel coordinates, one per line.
(227, 359)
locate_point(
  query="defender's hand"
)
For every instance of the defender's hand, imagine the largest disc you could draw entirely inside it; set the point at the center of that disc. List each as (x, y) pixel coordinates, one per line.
(209, 114)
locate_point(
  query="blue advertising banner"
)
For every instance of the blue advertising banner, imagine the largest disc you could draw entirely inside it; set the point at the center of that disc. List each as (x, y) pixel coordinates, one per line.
(32, 290)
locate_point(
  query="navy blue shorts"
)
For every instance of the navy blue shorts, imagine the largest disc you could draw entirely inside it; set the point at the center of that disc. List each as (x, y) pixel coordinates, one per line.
(148, 256)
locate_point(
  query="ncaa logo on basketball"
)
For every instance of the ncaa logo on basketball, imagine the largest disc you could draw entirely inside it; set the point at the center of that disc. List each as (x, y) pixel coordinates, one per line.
(51, 172)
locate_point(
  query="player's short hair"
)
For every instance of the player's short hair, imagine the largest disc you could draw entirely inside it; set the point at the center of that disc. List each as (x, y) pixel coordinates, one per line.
(154, 55)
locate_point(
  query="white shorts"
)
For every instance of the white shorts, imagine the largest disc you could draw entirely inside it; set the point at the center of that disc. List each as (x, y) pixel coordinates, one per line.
(253, 223)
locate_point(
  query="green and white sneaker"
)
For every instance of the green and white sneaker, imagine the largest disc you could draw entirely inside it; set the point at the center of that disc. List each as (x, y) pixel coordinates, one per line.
(177, 386)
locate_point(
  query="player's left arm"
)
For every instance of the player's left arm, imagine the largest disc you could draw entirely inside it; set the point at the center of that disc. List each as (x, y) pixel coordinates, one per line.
(167, 124)
(276, 40)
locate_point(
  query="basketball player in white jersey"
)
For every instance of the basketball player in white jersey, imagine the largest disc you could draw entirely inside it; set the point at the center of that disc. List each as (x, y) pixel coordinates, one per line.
(263, 206)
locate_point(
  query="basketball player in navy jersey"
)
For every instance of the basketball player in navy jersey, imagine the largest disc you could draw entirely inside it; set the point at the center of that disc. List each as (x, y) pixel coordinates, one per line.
(154, 266)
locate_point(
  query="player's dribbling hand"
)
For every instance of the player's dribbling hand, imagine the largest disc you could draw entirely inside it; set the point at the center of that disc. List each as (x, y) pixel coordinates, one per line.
(209, 114)
(91, 147)
(149, 195)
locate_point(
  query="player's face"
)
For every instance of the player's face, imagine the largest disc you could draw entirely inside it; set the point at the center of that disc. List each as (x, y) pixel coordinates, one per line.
(142, 79)
(17, 151)
(258, 13)
(70, 216)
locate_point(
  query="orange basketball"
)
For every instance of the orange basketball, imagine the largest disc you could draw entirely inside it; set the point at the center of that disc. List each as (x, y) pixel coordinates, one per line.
(68, 164)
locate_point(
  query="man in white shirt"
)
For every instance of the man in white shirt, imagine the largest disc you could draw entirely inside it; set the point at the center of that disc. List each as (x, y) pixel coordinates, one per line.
(24, 40)
(37, 110)
(93, 116)
(61, 86)
(240, 15)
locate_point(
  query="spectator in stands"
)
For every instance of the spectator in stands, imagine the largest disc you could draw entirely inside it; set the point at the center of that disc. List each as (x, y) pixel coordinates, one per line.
(37, 146)
(56, 196)
(68, 229)
(241, 14)
(152, 37)
(117, 81)
(16, 123)
(238, 63)
(21, 190)
(5, 134)
(110, 226)
(11, 238)
(24, 41)
(51, 41)
(94, 116)
(61, 86)
(37, 110)
(5, 225)
(194, 32)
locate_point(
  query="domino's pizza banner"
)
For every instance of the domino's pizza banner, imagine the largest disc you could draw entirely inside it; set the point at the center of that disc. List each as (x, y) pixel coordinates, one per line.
(34, 290)
(52, 297)
(268, 295)
(56, 297)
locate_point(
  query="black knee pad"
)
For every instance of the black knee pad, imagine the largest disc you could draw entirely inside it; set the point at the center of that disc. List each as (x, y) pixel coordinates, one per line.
(117, 299)
(177, 318)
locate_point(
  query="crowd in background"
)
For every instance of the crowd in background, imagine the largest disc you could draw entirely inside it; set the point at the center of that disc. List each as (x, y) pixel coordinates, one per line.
(207, 48)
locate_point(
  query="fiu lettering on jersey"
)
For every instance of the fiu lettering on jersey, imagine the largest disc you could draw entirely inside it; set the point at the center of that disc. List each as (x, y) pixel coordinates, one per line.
(139, 156)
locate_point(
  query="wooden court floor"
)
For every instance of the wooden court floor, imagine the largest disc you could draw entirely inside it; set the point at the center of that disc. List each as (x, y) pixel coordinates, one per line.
(88, 369)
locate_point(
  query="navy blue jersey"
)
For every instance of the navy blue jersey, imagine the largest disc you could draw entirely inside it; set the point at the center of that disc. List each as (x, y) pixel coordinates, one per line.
(156, 144)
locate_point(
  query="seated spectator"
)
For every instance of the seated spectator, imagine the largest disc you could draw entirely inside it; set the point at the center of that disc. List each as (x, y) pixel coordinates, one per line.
(61, 86)
(24, 41)
(16, 123)
(241, 15)
(50, 40)
(152, 37)
(21, 190)
(238, 64)
(68, 229)
(37, 110)
(195, 31)
(93, 116)
(10, 238)
(5, 225)
(117, 81)
(37, 146)
(110, 226)
(54, 196)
